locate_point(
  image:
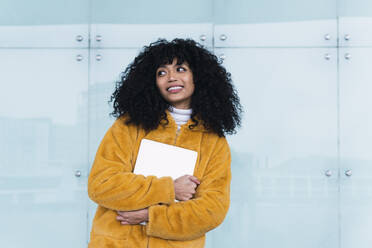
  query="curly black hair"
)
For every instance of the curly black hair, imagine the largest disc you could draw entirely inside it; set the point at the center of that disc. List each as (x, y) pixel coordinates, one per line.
(214, 101)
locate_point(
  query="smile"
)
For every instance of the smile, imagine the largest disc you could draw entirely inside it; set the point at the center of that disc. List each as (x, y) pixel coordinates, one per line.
(175, 89)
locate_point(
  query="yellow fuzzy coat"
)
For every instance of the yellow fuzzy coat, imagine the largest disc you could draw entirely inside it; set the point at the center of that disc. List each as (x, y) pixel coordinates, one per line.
(113, 186)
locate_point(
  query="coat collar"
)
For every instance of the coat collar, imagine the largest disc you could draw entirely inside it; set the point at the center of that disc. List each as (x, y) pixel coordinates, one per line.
(172, 123)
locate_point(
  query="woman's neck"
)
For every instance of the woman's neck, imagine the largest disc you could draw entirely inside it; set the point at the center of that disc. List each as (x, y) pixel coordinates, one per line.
(181, 116)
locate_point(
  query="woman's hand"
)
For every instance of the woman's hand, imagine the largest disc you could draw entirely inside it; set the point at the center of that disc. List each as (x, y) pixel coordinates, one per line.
(133, 217)
(184, 187)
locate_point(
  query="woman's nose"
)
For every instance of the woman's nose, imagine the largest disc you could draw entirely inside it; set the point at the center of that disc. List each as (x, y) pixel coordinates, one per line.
(172, 76)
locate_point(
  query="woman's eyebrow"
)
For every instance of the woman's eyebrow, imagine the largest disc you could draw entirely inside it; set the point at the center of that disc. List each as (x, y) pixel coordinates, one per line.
(165, 66)
(162, 66)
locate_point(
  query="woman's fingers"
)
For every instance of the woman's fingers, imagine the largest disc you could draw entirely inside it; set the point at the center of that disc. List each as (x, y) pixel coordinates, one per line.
(123, 220)
(121, 213)
(192, 184)
(184, 187)
(188, 197)
(194, 180)
(120, 218)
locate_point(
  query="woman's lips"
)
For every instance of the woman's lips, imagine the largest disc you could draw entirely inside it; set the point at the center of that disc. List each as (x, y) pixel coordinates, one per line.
(175, 88)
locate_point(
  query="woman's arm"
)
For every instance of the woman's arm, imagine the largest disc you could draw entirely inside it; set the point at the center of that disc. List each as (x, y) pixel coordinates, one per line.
(111, 182)
(192, 219)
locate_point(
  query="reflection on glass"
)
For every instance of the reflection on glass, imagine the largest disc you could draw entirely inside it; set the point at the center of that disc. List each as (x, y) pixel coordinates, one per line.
(42, 136)
(355, 8)
(42, 12)
(280, 196)
(355, 148)
(151, 12)
(104, 75)
(264, 11)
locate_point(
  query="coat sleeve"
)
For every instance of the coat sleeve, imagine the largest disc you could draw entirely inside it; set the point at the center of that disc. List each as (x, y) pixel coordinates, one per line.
(111, 182)
(191, 219)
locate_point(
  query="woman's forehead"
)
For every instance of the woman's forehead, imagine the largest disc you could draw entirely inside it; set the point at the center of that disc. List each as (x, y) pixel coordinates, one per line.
(175, 61)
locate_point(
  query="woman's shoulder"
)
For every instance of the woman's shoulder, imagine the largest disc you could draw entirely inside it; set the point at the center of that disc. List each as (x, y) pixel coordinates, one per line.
(123, 121)
(215, 141)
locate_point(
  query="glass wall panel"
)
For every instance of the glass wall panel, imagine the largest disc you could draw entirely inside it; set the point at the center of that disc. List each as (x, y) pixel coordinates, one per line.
(43, 23)
(106, 68)
(355, 20)
(355, 8)
(151, 12)
(269, 11)
(281, 194)
(355, 147)
(132, 24)
(43, 147)
(269, 23)
(43, 12)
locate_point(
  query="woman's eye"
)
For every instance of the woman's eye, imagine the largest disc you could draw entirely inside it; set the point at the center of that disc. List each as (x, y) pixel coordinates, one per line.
(181, 68)
(160, 73)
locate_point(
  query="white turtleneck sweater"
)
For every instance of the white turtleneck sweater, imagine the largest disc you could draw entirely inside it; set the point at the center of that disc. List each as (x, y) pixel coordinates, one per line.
(181, 116)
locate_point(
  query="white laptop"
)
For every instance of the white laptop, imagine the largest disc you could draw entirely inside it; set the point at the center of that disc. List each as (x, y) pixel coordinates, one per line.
(159, 159)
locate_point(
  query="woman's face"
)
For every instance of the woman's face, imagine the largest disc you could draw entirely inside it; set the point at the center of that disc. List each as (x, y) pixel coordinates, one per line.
(175, 83)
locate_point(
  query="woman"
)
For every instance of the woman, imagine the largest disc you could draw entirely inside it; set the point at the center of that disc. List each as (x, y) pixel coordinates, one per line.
(175, 93)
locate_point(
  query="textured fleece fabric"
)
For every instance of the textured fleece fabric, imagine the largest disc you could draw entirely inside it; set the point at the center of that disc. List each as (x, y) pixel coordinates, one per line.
(113, 186)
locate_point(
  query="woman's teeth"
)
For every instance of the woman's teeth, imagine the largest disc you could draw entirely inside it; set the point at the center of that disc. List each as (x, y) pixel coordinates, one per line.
(174, 88)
